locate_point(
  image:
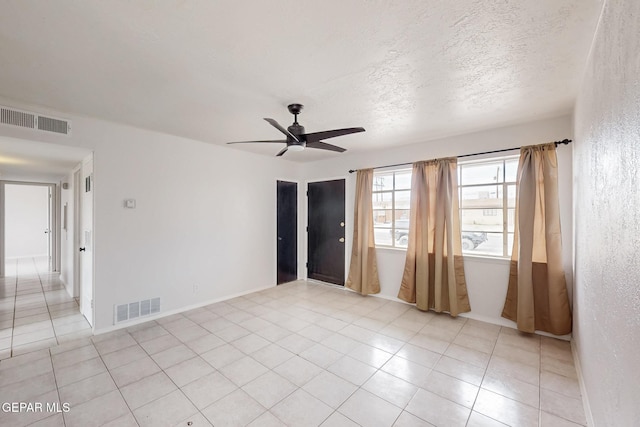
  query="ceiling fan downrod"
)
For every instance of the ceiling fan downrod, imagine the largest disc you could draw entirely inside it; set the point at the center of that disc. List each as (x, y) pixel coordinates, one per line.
(295, 110)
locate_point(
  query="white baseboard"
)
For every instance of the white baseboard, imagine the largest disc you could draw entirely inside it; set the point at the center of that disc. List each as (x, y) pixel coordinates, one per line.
(176, 311)
(583, 389)
(501, 321)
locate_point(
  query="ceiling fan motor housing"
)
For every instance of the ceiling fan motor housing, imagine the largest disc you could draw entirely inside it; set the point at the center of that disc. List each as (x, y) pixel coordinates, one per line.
(298, 131)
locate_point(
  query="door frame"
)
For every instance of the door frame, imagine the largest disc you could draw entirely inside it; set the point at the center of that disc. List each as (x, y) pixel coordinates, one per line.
(53, 225)
(77, 209)
(275, 226)
(79, 190)
(348, 230)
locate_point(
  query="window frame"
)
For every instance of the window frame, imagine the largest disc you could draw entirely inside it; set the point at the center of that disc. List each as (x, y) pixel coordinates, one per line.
(392, 191)
(504, 208)
(505, 202)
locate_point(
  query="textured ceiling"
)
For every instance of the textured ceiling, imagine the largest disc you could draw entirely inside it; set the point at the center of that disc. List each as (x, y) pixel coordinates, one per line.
(407, 71)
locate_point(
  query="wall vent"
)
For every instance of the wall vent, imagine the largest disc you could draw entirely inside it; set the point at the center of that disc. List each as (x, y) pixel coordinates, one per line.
(30, 120)
(137, 309)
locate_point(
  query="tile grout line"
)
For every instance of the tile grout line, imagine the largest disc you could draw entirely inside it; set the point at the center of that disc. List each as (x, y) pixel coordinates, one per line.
(55, 380)
(199, 411)
(358, 387)
(32, 259)
(114, 381)
(91, 376)
(41, 292)
(393, 354)
(46, 302)
(483, 377)
(269, 369)
(15, 302)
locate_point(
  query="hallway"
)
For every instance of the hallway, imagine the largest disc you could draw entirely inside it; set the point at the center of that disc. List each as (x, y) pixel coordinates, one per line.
(35, 309)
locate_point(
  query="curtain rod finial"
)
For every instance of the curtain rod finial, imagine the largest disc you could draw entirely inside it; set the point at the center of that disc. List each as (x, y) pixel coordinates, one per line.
(564, 141)
(353, 170)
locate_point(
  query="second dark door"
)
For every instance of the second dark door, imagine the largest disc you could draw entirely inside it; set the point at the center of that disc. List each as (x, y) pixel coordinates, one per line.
(325, 247)
(287, 231)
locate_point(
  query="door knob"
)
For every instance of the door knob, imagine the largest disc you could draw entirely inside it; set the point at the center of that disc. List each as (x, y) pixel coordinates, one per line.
(82, 249)
(342, 224)
(279, 238)
(342, 240)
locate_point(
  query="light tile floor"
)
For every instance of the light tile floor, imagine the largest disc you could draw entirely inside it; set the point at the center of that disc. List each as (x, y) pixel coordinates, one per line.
(300, 354)
(35, 309)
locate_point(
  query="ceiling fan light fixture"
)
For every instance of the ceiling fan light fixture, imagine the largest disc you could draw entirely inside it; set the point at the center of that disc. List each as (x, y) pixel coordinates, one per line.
(296, 148)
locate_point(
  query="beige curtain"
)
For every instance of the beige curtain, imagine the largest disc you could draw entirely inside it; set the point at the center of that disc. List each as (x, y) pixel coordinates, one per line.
(363, 270)
(537, 296)
(434, 272)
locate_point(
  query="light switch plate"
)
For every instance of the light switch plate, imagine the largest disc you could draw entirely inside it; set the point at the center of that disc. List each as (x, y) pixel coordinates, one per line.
(130, 203)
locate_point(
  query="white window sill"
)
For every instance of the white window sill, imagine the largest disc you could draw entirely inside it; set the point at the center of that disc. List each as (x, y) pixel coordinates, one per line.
(390, 249)
(469, 257)
(487, 259)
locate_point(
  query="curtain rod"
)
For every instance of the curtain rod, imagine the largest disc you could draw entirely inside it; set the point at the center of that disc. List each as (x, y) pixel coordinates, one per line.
(564, 141)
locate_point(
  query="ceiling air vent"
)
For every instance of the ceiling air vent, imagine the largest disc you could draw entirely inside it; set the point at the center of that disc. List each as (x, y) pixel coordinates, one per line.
(17, 118)
(53, 125)
(29, 120)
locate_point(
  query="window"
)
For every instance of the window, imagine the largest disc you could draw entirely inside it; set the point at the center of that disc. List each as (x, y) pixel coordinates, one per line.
(487, 195)
(487, 191)
(391, 198)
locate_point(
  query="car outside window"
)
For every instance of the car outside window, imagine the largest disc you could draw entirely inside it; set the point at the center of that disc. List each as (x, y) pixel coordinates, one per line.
(391, 198)
(486, 191)
(487, 194)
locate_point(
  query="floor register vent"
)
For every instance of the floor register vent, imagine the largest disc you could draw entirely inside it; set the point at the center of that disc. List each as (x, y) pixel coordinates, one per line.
(134, 310)
(25, 119)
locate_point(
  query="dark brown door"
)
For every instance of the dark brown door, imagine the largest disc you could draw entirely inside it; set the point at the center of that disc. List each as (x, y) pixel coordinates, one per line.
(287, 231)
(325, 248)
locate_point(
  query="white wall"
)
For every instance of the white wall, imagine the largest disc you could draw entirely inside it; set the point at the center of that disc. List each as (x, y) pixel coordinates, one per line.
(487, 279)
(607, 212)
(205, 215)
(26, 219)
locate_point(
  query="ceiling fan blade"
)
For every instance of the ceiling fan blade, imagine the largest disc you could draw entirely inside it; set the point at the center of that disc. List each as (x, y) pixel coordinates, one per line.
(317, 136)
(262, 142)
(324, 146)
(284, 150)
(281, 129)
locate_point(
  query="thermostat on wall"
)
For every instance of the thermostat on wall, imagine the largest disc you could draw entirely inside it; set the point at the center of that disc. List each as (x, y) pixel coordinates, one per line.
(130, 203)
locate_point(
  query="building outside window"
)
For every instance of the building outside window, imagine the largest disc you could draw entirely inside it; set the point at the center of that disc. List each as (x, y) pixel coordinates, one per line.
(391, 202)
(487, 191)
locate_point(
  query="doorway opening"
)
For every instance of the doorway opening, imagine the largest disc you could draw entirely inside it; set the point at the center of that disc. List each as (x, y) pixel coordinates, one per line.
(287, 230)
(30, 218)
(40, 305)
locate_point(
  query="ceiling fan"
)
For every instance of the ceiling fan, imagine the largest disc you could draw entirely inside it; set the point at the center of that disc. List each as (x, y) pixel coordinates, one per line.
(297, 140)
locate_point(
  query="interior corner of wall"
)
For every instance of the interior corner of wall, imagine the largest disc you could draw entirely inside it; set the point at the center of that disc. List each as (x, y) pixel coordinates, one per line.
(63, 279)
(583, 389)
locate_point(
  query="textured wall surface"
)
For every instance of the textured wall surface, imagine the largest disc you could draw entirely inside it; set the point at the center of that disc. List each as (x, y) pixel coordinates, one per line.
(607, 219)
